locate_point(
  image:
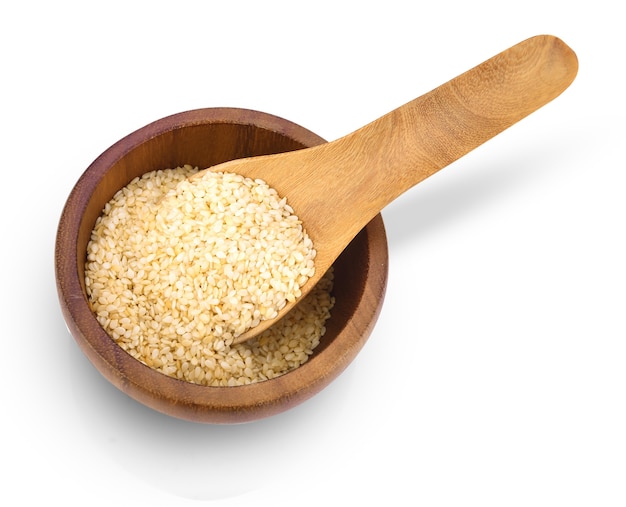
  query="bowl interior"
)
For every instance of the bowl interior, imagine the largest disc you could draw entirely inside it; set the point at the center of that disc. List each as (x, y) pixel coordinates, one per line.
(204, 138)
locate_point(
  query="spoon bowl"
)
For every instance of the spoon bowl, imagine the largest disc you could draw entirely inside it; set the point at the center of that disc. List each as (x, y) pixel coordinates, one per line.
(203, 138)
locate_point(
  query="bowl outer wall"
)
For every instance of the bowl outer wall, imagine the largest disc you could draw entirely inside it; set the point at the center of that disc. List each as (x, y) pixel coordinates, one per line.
(246, 131)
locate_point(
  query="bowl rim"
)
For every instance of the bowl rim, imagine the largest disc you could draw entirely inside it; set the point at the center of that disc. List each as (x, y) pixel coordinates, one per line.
(180, 398)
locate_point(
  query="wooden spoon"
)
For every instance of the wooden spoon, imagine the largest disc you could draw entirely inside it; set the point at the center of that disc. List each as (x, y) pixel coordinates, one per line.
(338, 187)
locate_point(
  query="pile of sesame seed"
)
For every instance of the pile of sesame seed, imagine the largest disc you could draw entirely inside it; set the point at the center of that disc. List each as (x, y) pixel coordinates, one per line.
(176, 269)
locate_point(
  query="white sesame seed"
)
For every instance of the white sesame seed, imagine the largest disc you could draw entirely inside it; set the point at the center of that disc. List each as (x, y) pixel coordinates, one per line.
(176, 269)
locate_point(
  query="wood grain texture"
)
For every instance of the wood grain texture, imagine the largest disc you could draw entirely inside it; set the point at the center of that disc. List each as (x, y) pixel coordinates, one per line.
(336, 188)
(206, 137)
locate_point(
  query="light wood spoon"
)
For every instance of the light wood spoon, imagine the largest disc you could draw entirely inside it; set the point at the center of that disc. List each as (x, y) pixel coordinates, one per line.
(338, 187)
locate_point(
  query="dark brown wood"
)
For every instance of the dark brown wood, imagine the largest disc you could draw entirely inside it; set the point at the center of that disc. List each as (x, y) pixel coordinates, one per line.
(206, 137)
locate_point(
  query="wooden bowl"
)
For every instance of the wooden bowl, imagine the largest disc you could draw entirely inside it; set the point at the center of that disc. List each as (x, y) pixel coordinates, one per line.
(203, 138)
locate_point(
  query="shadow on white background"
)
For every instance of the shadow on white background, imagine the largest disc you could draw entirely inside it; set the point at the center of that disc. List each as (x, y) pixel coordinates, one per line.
(192, 460)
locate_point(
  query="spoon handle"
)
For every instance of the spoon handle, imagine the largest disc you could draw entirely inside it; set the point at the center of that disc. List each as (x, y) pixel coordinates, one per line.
(380, 161)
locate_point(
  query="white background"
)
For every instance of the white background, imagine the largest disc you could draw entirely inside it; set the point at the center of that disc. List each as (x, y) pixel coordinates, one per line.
(496, 374)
